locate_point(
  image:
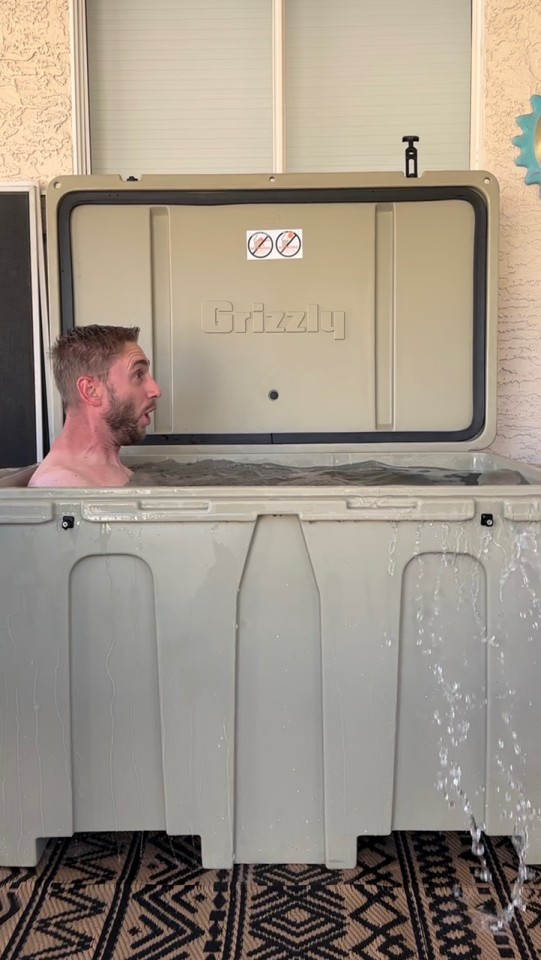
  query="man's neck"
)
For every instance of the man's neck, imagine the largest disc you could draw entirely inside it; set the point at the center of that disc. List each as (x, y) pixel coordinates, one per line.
(87, 440)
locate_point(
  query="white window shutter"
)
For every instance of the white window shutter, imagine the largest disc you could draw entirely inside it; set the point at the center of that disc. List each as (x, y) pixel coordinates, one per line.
(185, 86)
(361, 74)
(180, 86)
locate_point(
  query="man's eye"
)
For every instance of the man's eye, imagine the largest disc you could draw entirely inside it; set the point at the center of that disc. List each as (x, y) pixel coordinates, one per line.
(139, 374)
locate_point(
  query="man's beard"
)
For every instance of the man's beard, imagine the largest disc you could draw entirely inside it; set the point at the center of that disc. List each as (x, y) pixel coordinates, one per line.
(122, 420)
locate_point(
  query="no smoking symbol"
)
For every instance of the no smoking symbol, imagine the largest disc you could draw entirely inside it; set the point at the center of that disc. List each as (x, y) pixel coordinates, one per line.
(260, 245)
(288, 243)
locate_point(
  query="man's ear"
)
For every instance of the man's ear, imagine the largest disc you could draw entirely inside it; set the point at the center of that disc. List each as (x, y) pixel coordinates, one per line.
(90, 390)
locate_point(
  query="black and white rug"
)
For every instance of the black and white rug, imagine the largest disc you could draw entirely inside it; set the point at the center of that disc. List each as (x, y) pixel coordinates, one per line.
(145, 897)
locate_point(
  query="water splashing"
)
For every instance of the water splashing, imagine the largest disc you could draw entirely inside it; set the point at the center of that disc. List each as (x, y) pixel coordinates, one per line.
(456, 712)
(392, 548)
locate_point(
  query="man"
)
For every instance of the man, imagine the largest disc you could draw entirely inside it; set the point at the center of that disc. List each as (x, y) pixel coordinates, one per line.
(104, 380)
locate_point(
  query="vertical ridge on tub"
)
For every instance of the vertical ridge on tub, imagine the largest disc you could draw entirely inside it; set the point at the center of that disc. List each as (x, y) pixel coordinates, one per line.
(198, 568)
(279, 758)
(360, 652)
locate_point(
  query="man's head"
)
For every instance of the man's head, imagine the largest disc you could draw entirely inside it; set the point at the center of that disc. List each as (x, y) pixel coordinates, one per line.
(103, 370)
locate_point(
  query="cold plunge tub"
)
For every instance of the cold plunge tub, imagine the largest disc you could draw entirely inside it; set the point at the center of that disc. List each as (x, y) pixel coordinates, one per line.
(270, 668)
(278, 669)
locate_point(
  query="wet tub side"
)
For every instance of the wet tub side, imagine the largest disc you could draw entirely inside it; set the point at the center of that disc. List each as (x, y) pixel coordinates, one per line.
(15, 477)
(277, 671)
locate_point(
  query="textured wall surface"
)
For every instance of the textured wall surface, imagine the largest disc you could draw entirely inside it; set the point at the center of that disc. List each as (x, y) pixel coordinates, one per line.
(512, 75)
(35, 102)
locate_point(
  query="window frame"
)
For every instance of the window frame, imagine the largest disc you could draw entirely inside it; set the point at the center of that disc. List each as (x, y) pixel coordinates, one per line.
(81, 104)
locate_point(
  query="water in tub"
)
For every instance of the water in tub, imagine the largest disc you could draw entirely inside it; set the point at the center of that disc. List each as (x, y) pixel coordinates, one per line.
(218, 472)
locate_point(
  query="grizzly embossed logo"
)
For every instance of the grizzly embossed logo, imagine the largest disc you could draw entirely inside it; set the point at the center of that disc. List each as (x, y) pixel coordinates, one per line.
(219, 316)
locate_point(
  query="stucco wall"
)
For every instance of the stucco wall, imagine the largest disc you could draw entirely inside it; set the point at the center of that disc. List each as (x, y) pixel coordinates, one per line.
(512, 75)
(35, 96)
(35, 143)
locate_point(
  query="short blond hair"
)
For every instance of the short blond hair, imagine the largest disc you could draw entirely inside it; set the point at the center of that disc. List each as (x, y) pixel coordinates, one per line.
(87, 351)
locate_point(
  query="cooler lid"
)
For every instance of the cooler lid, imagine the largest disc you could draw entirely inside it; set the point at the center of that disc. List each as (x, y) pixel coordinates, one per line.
(326, 310)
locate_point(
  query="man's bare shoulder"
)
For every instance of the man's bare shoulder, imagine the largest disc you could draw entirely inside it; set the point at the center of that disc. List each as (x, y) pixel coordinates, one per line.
(57, 475)
(55, 472)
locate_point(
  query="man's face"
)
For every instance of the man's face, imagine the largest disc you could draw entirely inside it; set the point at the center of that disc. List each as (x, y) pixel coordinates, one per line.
(132, 395)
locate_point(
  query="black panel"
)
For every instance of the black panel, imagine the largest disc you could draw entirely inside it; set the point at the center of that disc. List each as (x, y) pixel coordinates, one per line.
(17, 409)
(304, 195)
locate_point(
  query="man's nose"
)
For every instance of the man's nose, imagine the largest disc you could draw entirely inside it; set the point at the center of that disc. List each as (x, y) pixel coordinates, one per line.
(154, 389)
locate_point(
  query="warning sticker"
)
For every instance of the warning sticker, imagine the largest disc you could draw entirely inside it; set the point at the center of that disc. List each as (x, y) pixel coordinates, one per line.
(274, 244)
(260, 244)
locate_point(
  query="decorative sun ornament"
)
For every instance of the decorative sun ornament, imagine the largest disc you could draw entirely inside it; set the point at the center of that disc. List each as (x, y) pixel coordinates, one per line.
(530, 142)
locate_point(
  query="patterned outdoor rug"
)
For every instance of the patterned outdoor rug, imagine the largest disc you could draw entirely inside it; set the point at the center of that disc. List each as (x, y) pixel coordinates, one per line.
(145, 897)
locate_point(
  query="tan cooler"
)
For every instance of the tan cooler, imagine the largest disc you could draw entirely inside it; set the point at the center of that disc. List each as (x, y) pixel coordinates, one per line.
(279, 667)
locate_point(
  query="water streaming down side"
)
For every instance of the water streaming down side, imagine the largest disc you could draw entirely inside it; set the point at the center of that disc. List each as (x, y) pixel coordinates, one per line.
(453, 720)
(522, 562)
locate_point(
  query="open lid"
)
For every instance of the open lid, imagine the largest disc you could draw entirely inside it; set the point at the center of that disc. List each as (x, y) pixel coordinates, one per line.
(327, 310)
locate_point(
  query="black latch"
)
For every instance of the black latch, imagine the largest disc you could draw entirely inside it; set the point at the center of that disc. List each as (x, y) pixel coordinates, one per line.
(68, 523)
(411, 156)
(487, 520)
